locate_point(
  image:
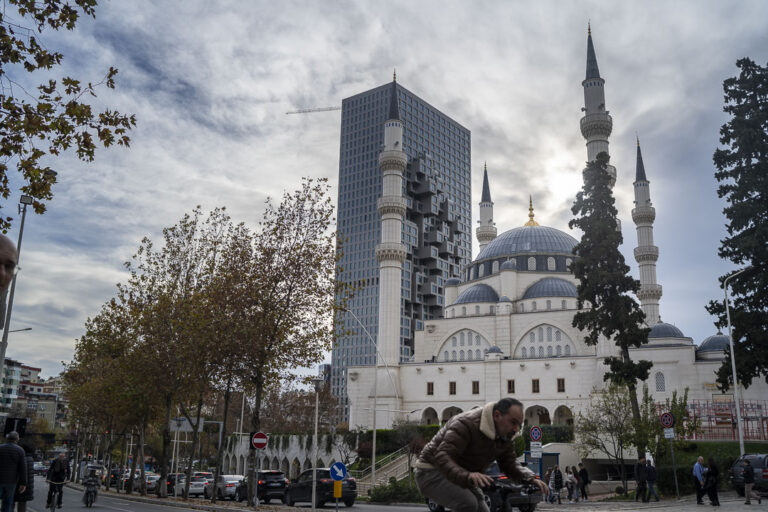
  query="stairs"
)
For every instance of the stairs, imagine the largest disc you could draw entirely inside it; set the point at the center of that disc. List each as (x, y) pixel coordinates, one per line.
(393, 465)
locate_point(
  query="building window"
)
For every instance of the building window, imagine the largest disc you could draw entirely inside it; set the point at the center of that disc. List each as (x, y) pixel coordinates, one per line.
(446, 356)
(430, 388)
(549, 351)
(568, 264)
(525, 353)
(563, 305)
(511, 386)
(533, 306)
(531, 263)
(453, 355)
(549, 333)
(567, 350)
(477, 354)
(469, 355)
(549, 305)
(452, 388)
(557, 335)
(453, 341)
(541, 333)
(461, 355)
(495, 266)
(558, 351)
(477, 310)
(475, 387)
(561, 385)
(535, 386)
(550, 263)
(661, 384)
(492, 310)
(522, 307)
(532, 337)
(541, 351)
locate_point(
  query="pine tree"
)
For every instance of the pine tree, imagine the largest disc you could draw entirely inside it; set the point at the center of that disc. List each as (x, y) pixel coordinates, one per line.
(742, 171)
(605, 305)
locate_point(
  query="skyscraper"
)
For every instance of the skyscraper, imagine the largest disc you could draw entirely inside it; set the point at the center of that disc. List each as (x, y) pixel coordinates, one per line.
(436, 228)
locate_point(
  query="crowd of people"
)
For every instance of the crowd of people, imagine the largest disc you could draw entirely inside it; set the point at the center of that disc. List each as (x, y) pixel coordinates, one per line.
(574, 481)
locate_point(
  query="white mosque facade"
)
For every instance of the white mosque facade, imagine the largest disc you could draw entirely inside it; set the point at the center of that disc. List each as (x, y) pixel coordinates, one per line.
(507, 327)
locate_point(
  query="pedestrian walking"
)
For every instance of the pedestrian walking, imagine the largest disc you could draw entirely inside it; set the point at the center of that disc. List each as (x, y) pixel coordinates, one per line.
(22, 497)
(749, 481)
(651, 474)
(13, 470)
(570, 483)
(557, 476)
(711, 481)
(698, 479)
(575, 473)
(584, 481)
(641, 478)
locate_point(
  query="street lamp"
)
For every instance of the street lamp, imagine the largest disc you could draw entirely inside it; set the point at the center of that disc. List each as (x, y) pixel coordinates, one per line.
(318, 382)
(739, 426)
(21, 330)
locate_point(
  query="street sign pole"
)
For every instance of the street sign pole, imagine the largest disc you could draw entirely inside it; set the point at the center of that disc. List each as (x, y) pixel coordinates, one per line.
(668, 422)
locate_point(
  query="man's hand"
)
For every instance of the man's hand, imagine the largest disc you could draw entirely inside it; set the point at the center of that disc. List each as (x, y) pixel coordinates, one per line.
(542, 486)
(22, 488)
(480, 479)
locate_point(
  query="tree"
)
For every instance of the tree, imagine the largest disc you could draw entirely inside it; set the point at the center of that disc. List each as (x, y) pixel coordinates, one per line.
(35, 126)
(605, 305)
(651, 432)
(742, 172)
(606, 426)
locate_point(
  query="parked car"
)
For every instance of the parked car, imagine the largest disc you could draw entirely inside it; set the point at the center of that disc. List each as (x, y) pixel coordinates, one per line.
(300, 489)
(153, 482)
(759, 463)
(207, 474)
(172, 479)
(40, 468)
(272, 486)
(226, 485)
(197, 485)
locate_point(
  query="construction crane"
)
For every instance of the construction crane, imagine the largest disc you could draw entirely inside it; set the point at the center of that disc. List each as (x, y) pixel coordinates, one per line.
(310, 110)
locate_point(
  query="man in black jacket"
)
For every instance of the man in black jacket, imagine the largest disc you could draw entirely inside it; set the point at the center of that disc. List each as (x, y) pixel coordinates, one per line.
(13, 470)
(58, 473)
(651, 472)
(583, 481)
(641, 477)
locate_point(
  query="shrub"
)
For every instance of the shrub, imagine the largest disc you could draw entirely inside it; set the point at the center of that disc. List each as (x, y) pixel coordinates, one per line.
(395, 491)
(619, 489)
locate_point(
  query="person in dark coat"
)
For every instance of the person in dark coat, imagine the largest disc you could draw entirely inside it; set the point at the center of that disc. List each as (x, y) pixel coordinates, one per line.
(641, 477)
(583, 481)
(710, 482)
(749, 482)
(13, 470)
(558, 476)
(22, 497)
(58, 473)
(652, 475)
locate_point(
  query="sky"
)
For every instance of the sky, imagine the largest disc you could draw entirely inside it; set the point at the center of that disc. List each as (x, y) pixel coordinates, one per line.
(210, 84)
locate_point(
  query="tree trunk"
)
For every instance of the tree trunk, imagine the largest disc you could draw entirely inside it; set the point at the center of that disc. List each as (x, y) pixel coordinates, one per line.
(134, 458)
(256, 423)
(143, 482)
(222, 436)
(195, 441)
(640, 444)
(162, 488)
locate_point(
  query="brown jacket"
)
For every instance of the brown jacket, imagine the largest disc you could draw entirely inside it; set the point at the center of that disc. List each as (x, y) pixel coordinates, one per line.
(468, 443)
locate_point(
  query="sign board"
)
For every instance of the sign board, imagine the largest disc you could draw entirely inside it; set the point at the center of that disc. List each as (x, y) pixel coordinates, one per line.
(667, 420)
(535, 450)
(669, 433)
(258, 440)
(337, 490)
(536, 434)
(183, 425)
(338, 471)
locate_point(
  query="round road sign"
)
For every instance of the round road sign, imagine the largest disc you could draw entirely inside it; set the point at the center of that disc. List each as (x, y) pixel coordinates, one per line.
(259, 440)
(667, 420)
(535, 433)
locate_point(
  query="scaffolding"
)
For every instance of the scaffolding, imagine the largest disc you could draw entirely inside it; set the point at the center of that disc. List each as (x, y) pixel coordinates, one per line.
(718, 419)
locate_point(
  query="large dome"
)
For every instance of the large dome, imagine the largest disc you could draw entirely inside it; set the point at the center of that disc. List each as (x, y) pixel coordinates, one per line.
(715, 343)
(664, 330)
(477, 293)
(551, 287)
(529, 240)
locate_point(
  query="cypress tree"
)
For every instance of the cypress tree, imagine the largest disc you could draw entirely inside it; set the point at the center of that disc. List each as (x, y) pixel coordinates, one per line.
(605, 305)
(742, 173)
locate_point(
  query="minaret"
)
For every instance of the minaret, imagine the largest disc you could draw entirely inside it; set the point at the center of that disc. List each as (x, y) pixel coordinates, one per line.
(391, 251)
(486, 231)
(596, 125)
(646, 254)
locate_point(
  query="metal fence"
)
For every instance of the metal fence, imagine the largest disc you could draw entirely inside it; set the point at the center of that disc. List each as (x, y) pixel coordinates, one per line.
(718, 419)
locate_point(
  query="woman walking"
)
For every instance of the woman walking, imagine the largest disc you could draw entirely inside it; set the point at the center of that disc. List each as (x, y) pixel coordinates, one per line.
(575, 473)
(21, 498)
(710, 482)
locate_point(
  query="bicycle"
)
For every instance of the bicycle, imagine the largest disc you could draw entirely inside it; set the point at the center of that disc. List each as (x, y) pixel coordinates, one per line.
(57, 490)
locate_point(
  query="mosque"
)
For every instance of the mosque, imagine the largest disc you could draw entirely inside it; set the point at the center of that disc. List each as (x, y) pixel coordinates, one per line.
(507, 326)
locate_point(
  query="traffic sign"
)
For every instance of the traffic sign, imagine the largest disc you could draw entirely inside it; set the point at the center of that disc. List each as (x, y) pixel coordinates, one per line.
(258, 440)
(535, 433)
(338, 471)
(669, 433)
(667, 420)
(535, 450)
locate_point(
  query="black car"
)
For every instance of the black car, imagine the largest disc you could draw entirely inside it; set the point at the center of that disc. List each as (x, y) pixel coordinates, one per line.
(171, 483)
(759, 463)
(272, 486)
(300, 489)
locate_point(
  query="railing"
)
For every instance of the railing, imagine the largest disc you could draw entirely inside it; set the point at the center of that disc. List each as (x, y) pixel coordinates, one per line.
(380, 464)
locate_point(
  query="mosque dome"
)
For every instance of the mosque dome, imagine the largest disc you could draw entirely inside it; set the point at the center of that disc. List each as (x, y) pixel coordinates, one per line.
(452, 282)
(508, 265)
(715, 343)
(494, 350)
(664, 330)
(504, 298)
(529, 240)
(477, 293)
(551, 287)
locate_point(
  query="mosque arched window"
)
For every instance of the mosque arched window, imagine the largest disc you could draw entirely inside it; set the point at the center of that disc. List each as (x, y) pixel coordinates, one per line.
(495, 267)
(532, 336)
(549, 334)
(661, 385)
(525, 353)
(461, 355)
(453, 355)
(477, 340)
(469, 355)
(541, 351)
(550, 263)
(461, 339)
(567, 350)
(477, 354)
(481, 272)
(531, 263)
(453, 341)
(541, 333)
(549, 351)
(568, 262)
(558, 351)
(472, 272)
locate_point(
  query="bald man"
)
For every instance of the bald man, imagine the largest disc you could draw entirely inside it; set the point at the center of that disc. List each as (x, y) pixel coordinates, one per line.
(8, 259)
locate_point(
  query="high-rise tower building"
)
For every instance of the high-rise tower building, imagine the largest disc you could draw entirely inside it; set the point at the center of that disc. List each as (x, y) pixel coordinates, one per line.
(435, 229)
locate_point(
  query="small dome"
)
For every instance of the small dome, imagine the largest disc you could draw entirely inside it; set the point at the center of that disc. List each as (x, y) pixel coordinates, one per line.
(452, 282)
(528, 240)
(509, 265)
(664, 330)
(551, 287)
(477, 293)
(504, 298)
(715, 343)
(494, 350)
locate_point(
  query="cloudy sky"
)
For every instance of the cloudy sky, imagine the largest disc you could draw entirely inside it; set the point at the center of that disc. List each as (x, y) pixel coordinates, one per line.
(210, 83)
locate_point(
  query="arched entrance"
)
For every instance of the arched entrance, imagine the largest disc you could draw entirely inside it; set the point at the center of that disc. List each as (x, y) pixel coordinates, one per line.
(563, 416)
(429, 417)
(537, 415)
(450, 413)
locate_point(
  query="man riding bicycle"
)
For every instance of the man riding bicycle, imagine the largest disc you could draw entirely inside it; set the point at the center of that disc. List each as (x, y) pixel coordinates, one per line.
(450, 469)
(57, 474)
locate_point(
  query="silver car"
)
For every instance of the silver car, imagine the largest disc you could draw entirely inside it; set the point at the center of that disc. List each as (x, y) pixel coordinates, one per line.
(226, 485)
(197, 485)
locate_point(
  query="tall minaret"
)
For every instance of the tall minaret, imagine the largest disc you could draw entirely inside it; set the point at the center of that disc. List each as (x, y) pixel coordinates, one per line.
(646, 253)
(486, 231)
(391, 251)
(596, 125)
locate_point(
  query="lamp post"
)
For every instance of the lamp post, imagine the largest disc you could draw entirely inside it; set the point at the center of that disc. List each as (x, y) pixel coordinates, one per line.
(739, 426)
(318, 382)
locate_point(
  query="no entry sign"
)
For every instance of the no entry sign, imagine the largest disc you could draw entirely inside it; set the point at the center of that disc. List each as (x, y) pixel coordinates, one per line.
(258, 440)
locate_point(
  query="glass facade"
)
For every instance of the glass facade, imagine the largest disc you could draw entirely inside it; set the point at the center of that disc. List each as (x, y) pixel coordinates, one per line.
(436, 229)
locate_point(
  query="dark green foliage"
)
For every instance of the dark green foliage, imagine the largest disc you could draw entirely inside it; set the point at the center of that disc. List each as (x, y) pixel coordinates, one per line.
(396, 492)
(549, 434)
(391, 440)
(56, 119)
(742, 172)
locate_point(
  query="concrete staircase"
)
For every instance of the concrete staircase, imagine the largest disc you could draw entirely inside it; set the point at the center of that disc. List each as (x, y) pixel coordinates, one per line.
(393, 465)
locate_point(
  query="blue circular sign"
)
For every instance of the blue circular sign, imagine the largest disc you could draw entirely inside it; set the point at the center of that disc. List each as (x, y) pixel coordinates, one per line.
(338, 471)
(535, 434)
(667, 420)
